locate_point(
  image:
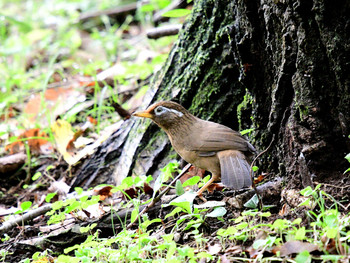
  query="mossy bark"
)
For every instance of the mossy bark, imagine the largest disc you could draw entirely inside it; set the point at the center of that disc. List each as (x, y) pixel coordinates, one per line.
(279, 67)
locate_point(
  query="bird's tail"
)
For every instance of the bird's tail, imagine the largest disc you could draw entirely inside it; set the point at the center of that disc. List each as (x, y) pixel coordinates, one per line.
(235, 170)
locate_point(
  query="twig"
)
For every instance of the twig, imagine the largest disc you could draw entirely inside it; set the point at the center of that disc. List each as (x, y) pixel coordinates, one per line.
(158, 197)
(109, 12)
(168, 30)
(251, 172)
(121, 111)
(8, 225)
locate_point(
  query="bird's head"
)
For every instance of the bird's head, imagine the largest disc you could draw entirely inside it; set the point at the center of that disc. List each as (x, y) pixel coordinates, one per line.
(166, 114)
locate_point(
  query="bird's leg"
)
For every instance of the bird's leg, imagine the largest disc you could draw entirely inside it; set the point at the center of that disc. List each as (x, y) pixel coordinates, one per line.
(204, 187)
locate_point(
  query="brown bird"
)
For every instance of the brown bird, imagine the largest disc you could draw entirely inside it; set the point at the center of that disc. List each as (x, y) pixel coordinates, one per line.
(205, 144)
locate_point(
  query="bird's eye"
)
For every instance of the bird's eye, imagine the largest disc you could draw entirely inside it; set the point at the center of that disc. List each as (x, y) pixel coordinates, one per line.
(159, 110)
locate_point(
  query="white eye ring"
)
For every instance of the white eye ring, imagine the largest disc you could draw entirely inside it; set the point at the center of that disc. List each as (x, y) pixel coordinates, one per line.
(159, 110)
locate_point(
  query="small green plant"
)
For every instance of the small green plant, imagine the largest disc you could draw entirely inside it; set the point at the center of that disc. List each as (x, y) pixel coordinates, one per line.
(61, 208)
(347, 157)
(326, 225)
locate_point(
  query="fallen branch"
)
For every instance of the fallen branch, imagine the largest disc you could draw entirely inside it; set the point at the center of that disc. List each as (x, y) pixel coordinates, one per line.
(267, 190)
(8, 225)
(168, 30)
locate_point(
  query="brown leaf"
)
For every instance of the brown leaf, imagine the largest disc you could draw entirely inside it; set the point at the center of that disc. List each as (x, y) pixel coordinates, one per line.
(148, 189)
(104, 192)
(58, 100)
(282, 212)
(259, 179)
(294, 247)
(34, 138)
(130, 193)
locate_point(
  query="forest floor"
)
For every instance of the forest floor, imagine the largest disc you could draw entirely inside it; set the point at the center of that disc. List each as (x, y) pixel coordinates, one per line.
(70, 79)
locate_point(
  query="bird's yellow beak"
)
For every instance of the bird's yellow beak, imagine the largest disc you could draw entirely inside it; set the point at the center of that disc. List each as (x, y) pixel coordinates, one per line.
(143, 114)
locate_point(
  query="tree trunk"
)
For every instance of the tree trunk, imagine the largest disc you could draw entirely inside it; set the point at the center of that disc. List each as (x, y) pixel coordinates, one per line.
(279, 67)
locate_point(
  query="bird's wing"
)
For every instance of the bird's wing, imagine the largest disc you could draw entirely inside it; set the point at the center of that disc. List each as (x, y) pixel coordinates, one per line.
(214, 137)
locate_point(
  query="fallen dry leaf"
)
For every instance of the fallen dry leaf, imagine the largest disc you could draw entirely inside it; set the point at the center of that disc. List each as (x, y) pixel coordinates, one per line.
(55, 100)
(294, 247)
(214, 249)
(259, 179)
(104, 192)
(62, 131)
(33, 137)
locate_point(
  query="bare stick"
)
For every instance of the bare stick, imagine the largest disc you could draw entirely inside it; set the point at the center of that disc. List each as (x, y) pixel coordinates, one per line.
(251, 172)
(168, 30)
(8, 225)
(158, 197)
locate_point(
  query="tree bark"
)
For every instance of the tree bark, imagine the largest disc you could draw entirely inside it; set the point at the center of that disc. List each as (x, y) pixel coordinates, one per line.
(279, 67)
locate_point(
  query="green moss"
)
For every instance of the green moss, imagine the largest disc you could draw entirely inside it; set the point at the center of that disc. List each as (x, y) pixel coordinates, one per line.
(245, 104)
(303, 111)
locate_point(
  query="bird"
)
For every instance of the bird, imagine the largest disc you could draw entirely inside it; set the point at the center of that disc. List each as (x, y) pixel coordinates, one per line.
(207, 145)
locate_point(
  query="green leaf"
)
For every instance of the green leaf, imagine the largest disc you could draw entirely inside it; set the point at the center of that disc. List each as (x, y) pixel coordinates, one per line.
(26, 205)
(36, 176)
(24, 27)
(265, 214)
(242, 225)
(134, 214)
(297, 221)
(168, 170)
(305, 203)
(78, 190)
(172, 213)
(177, 13)
(255, 168)
(280, 224)
(300, 234)
(306, 191)
(347, 157)
(168, 238)
(191, 181)
(244, 132)
(331, 232)
(252, 202)
(217, 212)
(48, 168)
(179, 188)
(185, 201)
(147, 8)
(303, 257)
(49, 196)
